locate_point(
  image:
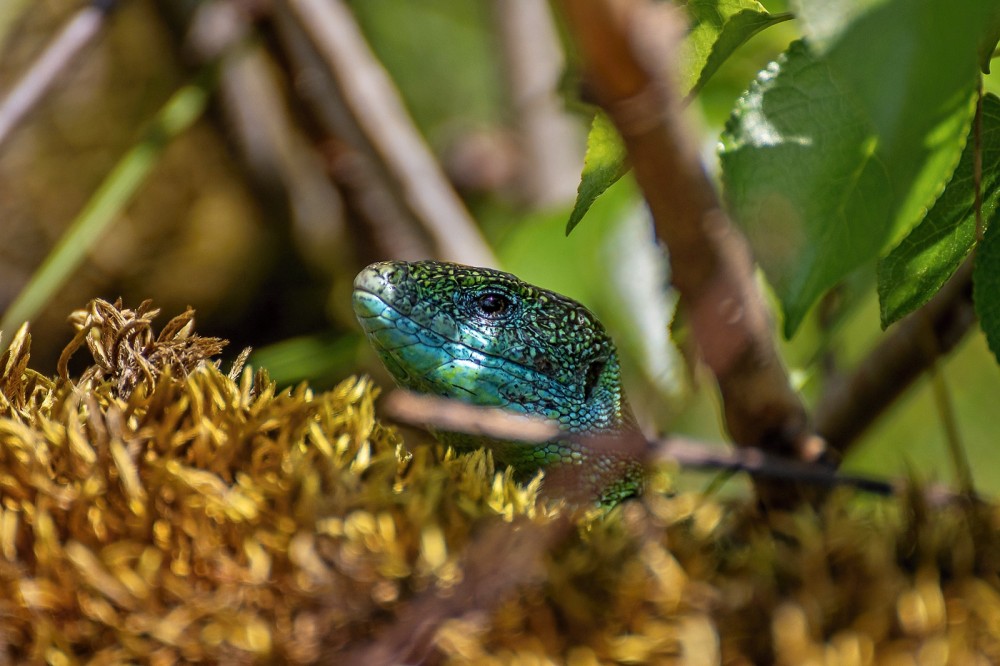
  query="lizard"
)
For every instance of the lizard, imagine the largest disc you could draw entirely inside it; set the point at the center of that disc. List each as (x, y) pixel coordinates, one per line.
(487, 338)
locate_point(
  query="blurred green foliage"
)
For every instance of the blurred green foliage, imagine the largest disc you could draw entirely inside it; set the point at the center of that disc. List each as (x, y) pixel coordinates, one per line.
(176, 116)
(190, 236)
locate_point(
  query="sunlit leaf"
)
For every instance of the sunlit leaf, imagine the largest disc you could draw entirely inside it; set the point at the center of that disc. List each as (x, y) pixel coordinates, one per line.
(986, 287)
(719, 27)
(916, 268)
(834, 154)
(603, 165)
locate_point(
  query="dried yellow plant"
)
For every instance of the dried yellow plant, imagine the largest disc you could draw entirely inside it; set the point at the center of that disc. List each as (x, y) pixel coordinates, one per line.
(155, 509)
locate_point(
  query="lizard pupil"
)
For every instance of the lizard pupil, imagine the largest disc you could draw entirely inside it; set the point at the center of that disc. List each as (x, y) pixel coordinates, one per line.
(493, 305)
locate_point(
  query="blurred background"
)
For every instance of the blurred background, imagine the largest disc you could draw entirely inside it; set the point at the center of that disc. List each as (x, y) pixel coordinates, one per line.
(340, 133)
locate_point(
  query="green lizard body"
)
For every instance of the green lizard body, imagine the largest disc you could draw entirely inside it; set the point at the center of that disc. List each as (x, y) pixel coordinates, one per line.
(487, 338)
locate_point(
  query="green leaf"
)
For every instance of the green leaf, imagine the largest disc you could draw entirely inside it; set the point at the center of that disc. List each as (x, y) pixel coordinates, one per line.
(988, 44)
(323, 359)
(986, 287)
(603, 165)
(823, 20)
(834, 155)
(916, 268)
(718, 28)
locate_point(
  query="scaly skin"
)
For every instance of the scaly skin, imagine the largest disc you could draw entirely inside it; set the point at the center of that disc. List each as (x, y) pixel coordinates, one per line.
(487, 338)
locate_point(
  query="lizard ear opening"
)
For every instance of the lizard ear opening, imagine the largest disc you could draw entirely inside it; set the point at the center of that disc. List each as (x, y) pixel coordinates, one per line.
(594, 372)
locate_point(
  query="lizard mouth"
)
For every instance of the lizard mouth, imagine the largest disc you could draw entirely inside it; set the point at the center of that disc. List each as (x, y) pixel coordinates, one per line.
(367, 305)
(414, 346)
(418, 339)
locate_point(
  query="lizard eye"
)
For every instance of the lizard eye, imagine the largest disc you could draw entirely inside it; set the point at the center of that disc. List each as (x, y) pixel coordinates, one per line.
(493, 305)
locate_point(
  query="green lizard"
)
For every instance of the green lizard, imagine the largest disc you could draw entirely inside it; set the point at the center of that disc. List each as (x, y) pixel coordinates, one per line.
(487, 338)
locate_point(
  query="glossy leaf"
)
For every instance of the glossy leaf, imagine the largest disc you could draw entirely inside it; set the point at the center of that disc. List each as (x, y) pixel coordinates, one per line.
(916, 268)
(834, 154)
(824, 20)
(986, 287)
(719, 27)
(603, 165)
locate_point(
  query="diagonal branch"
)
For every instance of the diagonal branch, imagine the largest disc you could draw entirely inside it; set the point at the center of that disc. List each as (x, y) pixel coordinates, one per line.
(60, 54)
(624, 46)
(444, 414)
(548, 137)
(375, 106)
(855, 401)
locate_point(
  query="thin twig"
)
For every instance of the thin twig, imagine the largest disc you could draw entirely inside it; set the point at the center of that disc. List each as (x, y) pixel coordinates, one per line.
(287, 170)
(627, 47)
(27, 92)
(377, 108)
(453, 416)
(695, 454)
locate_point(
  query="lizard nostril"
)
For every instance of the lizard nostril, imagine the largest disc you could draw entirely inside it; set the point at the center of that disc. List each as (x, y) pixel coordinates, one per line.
(380, 276)
(394, 272)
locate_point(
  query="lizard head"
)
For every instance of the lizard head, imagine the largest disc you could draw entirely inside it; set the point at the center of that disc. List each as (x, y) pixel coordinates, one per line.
(489, 338)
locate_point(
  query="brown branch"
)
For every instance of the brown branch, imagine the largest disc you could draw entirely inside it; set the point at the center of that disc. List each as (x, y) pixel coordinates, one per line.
(436, 413)
(287, 171)
(375, 105)
(549, 140)
(759, 464)
(855, 401)
(60, 53)
(625, 46)
(423, 410)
